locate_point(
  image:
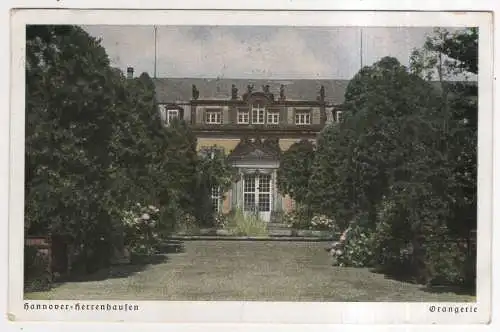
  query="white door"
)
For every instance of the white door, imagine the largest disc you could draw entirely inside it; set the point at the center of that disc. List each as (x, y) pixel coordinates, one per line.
(257, 195)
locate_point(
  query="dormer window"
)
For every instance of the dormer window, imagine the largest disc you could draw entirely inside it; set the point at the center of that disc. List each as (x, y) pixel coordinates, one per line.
(258, 114)
(273, 117)
(171, 115)
(213, 117)
(302, 118)
(338, 116)
(167, 115)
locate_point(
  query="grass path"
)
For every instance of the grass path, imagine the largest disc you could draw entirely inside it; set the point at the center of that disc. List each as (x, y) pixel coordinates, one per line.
(227, 270)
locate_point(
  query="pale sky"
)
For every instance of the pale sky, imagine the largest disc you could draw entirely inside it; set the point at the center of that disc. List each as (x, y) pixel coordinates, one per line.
(255, 52)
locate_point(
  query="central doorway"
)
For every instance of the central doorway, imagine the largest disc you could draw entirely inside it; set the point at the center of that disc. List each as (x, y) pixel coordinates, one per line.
(257, 195)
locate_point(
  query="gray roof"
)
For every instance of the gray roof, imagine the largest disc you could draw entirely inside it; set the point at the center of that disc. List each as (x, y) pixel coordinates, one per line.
(170, 90)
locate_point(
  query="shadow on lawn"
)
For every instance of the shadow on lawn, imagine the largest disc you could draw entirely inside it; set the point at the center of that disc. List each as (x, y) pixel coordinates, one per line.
(138, 263)
(458, 290)
(433, 287)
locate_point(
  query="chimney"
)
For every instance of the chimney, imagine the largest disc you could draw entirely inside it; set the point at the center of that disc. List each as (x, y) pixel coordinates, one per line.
(130, 72)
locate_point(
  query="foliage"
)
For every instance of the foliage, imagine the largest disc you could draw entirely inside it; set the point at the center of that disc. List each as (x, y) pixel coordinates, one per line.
(213, 171)
(295, 170)
(247, 224)
(322, 222)
(405, 158)
(388, 112)
(357, 250)
(300, 218)
(36, 269)
(36, 263)
(187, 224)
(333, 188)
(297, 218)
(448, 260)
(69, 105)
(221, 220)
(141, 229)
(95, 144)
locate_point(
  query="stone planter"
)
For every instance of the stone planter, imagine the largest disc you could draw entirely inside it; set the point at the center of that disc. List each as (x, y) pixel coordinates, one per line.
(313, 233)
(208, 231)
(280, 232)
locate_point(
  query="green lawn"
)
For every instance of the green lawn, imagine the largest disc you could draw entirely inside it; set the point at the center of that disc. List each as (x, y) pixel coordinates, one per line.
(241, 270)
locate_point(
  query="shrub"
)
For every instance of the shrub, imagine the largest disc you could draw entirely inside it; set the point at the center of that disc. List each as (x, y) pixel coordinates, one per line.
(221, 220)
(357, 250)
(243, 224)
(298, 218)
(186, 223)
(36, 269)
(322, 222)
(450, 263)
(301, 219)
(141, 229)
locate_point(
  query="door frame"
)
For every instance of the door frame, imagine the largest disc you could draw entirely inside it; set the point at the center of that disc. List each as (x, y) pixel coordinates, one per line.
(257, 179)
(249, 167)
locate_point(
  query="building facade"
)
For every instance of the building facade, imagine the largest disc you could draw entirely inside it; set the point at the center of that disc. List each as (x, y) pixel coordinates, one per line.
(252, 122)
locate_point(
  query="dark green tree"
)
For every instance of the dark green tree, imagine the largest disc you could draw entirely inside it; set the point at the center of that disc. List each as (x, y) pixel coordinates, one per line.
(295, 171)
(95, 144)
(69, 98)
(454, 56)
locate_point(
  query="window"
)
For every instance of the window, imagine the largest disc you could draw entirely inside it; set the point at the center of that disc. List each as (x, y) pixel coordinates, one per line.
(172, 114)
(258, 113)
(214, 117)
(264, 193)
(216, 198)
(243, 117)
(249, 193)
(211, 152)
(302, 118)
(338, 116)
(273, 117)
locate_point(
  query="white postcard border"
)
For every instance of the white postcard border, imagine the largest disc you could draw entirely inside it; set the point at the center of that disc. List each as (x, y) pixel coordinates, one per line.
(252, 312)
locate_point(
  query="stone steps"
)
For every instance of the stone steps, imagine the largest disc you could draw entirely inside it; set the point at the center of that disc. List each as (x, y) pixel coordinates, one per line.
(279, 229)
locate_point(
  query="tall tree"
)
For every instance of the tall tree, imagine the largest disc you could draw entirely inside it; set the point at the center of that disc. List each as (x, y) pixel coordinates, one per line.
(94, 141)
(295, 171)
(460, 53)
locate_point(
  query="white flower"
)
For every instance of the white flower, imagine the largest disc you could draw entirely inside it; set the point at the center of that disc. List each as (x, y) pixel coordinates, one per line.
(138, 204)
(145, 216)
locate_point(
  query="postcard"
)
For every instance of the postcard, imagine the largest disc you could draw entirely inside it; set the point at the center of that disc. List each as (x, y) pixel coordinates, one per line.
(251, 167)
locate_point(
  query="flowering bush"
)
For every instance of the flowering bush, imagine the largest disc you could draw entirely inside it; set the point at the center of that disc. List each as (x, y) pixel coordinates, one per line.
(221, 220)
(141, 229)
(299, 220)
(355, 248)
(322, 222)
(291, 218)
(186, 223)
